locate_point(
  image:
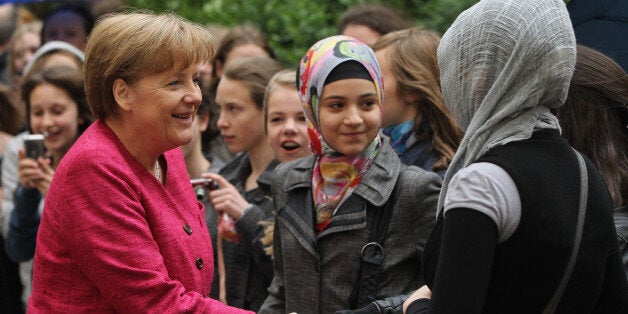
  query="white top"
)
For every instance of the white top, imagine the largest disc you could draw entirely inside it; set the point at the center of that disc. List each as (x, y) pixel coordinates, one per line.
(489, 189)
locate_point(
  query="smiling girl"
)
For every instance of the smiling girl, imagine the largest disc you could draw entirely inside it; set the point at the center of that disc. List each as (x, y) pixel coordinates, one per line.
(354, 188)
(55, 105)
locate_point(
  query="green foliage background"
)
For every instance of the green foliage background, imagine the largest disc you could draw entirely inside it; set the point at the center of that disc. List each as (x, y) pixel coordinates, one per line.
(292, 26)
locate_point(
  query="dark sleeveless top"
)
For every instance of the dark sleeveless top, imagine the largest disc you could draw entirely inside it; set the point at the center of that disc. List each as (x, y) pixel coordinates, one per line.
(528, 266)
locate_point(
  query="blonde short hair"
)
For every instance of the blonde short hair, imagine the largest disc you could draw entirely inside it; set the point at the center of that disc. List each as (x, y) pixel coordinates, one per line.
(129, 46)
(284, 78)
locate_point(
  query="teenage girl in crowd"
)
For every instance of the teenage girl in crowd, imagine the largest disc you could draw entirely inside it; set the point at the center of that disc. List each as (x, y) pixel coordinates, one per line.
(51, 54)
(24, 43)
(519, 229)
(10, 287)
(56, 105)
(238, 42)
(286, 126)
(9, 119)
(330, 205)
(594, 120)
(243, 199)
(421, 129)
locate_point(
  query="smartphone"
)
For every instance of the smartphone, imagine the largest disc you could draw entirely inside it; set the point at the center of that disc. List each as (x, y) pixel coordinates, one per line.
(34, 146)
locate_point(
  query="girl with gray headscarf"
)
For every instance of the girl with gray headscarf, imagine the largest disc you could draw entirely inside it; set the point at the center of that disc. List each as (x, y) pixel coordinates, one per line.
(510, 199)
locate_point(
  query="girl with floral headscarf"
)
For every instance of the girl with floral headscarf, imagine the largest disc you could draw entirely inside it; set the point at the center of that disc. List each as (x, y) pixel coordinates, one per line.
(329, 205)
(510, 202)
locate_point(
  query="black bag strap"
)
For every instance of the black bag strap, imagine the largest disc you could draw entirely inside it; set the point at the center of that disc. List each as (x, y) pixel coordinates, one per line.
(584, 192)
(372, 253)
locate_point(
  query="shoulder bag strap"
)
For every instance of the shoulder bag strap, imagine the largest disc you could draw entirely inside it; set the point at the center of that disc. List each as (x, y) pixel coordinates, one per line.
(584, 190)
(372, 253)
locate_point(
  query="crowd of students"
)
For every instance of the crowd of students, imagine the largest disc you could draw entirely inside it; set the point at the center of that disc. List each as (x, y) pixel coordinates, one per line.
(390, 171)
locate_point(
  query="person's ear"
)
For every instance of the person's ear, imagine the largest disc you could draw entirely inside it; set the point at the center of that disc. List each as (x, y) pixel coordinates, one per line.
(411, 98)
(122, 94)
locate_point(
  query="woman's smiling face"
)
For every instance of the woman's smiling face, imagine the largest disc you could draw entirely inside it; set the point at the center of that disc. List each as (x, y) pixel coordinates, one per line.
(53, 111)
(349, 115)
(164, 105)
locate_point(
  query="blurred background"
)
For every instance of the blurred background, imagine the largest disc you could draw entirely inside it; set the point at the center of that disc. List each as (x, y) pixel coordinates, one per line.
(291, 26)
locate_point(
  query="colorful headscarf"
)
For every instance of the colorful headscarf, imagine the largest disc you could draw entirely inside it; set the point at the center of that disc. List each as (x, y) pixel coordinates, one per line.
(335, 176)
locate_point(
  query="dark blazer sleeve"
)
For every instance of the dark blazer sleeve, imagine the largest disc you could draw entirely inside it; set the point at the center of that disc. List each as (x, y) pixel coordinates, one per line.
(23, 225)
(275, 302)
(468, 245)
(252, 232)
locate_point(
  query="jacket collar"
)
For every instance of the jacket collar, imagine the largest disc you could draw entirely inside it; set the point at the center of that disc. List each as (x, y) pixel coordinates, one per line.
(375, 188)
(240, 168)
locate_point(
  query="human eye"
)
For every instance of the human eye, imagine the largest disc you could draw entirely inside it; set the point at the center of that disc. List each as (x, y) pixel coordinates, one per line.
(301, 118)
(57, 111)
(335, 105)
(276, 119)
(369, 103)
(174, 83)
(197, 81)
(232, 108)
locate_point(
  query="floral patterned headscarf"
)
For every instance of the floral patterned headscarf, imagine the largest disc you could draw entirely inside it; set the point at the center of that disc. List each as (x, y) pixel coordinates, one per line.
(335, 176)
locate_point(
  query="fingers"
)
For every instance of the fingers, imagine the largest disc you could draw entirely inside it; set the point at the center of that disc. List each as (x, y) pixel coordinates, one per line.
(44, 165)
(42, 186)
(222, 182)
(227, 199)
(28, 172)
(230, 202)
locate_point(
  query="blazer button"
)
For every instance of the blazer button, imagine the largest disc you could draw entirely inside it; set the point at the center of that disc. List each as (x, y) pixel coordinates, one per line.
(199, 263)
(187, 229)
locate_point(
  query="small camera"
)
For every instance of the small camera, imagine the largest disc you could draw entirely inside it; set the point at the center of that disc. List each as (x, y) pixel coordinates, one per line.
(34, 146)
(202, 186)
(207, 183)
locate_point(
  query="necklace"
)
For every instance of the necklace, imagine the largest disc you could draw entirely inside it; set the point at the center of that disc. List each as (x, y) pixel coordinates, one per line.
(158, 171)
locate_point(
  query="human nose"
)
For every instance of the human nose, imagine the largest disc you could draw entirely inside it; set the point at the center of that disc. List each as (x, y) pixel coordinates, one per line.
(290, 127)
(194, 95)
(353, 116)
(222, 121)
(46, 121)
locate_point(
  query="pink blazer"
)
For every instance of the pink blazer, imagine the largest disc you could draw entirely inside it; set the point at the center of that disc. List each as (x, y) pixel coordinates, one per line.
(114, 239)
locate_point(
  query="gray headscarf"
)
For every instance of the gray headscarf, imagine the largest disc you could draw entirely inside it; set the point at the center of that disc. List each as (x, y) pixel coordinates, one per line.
(504, 64)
